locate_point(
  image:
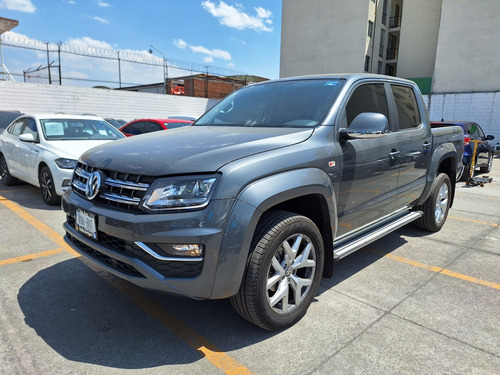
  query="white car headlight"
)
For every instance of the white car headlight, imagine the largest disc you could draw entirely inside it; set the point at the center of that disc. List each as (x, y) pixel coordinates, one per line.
(177, 193)
(66, 163)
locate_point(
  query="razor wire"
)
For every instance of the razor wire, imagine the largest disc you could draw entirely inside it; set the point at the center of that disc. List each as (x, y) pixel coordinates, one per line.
(137, 57)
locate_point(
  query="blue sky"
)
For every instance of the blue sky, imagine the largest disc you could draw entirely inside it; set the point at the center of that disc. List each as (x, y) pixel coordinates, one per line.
(243, 36)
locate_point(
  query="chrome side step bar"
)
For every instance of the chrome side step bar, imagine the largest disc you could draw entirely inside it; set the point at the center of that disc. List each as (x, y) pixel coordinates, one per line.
(374, 235)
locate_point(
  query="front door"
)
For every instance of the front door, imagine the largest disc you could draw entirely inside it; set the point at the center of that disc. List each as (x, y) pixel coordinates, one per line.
(370, 167)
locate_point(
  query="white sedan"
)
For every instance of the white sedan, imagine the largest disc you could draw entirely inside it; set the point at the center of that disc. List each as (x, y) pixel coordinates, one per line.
(43, 149)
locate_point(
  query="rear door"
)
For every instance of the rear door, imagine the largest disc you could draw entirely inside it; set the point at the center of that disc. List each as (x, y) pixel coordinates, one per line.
(10, 146)
(415, 143)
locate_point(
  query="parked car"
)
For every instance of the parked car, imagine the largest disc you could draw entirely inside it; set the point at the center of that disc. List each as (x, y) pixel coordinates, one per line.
(115, 122)
(485, 151)
(6, 117)
(149, 125)
(43, 149)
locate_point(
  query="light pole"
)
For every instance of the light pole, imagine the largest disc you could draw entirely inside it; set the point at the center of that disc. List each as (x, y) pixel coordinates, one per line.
(165, 72)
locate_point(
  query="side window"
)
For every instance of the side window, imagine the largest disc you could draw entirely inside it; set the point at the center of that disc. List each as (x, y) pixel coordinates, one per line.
(407, 107)
(30, 127)
(135, 128)
(152, 127)
(367, 98)
(474, 132)
(15, 128)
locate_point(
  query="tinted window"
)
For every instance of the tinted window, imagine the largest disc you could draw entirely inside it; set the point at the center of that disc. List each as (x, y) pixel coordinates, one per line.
(367, 98)
(135, 128)
(301, 103)
(152, 127)
(475, 132)
(407, 108)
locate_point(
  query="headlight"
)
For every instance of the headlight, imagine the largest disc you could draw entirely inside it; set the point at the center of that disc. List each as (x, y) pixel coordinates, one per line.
(189, 192)
(66, 163)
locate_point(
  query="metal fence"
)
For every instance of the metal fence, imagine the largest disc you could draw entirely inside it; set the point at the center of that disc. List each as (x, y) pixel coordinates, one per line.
(74, 63)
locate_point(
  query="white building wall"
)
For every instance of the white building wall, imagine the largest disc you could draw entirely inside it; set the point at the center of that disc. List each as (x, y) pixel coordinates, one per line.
(419, 38)
(126, 105)
(483, 108)
(468, 50)
(319, 36)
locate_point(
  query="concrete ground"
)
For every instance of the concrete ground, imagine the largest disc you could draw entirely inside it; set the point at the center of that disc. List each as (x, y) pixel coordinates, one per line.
(410, 303)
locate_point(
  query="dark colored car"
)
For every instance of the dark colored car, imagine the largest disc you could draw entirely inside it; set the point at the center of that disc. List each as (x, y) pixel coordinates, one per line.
(142, 126)
(6, 117)
(484, 152)
(116, 123)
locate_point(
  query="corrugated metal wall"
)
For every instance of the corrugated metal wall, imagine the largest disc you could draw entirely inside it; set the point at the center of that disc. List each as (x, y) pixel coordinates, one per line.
(126, 105)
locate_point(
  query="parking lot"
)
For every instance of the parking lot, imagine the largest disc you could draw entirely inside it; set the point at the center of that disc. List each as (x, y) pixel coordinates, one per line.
(410, 303)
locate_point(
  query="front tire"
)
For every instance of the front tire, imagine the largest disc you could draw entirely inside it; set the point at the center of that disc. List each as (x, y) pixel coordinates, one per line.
(47, 187)
(436, 206)
(283, 271)
(7, 178)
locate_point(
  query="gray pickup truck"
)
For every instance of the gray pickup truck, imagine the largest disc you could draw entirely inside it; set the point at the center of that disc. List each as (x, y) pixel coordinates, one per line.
(260, 196)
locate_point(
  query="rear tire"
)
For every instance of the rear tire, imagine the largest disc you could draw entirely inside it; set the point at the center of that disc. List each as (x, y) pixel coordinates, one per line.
(436, 206)
(283, 271)
(47, 187)
(7, 178)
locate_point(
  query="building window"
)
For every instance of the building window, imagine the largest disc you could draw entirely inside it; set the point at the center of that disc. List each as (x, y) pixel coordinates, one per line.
(367, 63)
(370, 29)
(382, 43)
(380, 67)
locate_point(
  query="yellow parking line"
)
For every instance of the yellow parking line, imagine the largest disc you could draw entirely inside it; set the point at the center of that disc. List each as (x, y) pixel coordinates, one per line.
(26, 258)
(41, 227)
(473, 221)
(219, 359)
(440, 270)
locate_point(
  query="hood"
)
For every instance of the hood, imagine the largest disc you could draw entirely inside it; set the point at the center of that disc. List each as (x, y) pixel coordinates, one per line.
(193, 149)
(72, 149)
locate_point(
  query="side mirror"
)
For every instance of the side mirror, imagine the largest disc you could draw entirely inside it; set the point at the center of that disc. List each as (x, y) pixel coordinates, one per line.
(366, 125)
(27, 137)
(490, 137)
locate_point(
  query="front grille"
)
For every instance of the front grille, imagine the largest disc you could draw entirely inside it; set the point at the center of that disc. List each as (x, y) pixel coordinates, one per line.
(130, 249)
(121, 190)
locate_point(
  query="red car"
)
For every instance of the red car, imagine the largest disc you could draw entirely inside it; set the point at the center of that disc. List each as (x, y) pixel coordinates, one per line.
(149, 125)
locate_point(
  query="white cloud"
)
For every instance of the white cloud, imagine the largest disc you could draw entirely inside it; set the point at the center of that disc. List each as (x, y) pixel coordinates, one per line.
(19, 5)
(88, 43)
(236, 18)
(100, 19)
(102, 3)
(179, 43)
(69, 2)
(210, 54)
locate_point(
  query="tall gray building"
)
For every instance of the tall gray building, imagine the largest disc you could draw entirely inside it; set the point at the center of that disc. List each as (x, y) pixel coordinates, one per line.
(444, 45)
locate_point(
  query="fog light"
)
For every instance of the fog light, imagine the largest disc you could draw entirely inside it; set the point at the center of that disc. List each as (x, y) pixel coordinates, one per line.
(187, 250)
(66, 183)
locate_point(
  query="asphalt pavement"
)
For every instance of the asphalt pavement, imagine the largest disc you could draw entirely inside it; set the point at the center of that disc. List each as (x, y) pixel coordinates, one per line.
(409, 303)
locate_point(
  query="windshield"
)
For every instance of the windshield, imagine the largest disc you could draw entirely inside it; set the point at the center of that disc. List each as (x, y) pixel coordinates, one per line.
(301, 103)
(63, 129)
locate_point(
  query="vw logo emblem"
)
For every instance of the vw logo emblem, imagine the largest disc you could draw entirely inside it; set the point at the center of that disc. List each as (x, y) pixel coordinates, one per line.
(94, 183)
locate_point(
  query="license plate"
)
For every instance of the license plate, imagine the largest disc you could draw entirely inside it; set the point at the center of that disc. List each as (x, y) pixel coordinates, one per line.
(85, 223)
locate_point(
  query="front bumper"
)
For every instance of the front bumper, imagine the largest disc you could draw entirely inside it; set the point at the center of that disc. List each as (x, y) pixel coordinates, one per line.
(121, 234)
(62, 179)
